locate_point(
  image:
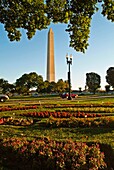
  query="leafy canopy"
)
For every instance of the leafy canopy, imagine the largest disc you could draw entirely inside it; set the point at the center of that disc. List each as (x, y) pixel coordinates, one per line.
(33, 15)
(110, 76)
(27, 81)
(93, 81)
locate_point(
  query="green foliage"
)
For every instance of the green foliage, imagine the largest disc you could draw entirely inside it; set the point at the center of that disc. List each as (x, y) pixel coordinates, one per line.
(61, 86)
(52, 87)
(27, 14)
(27, 81)
(107, 88)
(33, 15)
(110, 76)
(79, 25)
(33, 80)
(93, 81)
(5, 86)
(57, 10)
(108, 9)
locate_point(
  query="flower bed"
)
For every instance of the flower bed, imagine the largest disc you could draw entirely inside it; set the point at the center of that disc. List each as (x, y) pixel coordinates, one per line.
(78, 105)
(17, 108)
(47, 114)
(16, 121)
(44, 154)
(89, 109)
(81, 122)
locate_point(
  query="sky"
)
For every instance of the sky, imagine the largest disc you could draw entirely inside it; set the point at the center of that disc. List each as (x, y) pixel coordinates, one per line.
(26, 56)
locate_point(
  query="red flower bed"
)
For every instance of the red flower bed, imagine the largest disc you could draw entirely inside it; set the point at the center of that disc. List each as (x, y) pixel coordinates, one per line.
(16, 121)
(17, 108)
(1, 121)
(47, 114)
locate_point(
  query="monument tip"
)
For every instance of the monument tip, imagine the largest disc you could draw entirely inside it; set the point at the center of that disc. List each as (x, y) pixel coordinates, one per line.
(50, 29)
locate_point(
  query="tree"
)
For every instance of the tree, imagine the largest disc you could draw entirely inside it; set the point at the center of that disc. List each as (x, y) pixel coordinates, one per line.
(3, 82)
(110, 76)
(93, 81)
(62, 86)
(107, 88)
(80, 89)
(33, 15)
(27, 81)
(44, 86)
(4, 85)
(51, 87)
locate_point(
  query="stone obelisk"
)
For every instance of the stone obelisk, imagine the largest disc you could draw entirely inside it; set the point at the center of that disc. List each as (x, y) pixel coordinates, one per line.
(50, 57)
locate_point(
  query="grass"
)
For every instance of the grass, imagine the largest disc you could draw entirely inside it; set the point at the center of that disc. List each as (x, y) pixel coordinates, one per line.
(102, 135)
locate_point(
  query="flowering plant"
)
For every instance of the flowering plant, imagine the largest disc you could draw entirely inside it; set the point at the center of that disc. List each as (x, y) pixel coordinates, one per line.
(49, 154)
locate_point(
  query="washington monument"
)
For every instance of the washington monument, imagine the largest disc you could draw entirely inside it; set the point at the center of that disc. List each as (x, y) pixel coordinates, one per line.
(50, 57)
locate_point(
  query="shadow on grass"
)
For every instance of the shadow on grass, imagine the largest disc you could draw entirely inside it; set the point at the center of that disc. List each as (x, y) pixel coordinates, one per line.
(89, 131)
(92, 130)
(41, 125)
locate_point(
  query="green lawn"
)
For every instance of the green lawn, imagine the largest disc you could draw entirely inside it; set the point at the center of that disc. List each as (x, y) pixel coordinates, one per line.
(102, 135)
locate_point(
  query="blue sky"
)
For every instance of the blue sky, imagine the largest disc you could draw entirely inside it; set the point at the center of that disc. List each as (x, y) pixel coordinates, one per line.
(18, 58)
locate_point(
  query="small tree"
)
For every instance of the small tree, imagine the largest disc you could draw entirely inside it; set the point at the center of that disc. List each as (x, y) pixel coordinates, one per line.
(93, 81)
(107, 88)
(110, 76)
(80, 89)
